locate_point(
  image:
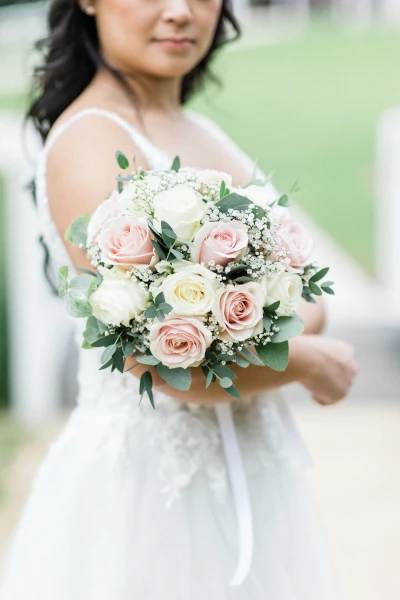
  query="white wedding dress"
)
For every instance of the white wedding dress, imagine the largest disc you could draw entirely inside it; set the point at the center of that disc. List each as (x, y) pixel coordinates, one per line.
(132, 503)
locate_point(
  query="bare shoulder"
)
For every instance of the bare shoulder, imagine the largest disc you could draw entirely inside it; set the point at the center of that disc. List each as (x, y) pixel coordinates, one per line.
(81, 168)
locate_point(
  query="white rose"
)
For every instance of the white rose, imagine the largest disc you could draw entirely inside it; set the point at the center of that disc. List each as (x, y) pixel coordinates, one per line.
(118, 299)
(190, 291)
(262, 195)
(211, 176)
(182, 208)
(286, 287)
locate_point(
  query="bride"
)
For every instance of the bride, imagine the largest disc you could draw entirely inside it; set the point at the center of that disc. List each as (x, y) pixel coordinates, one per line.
(132, 503)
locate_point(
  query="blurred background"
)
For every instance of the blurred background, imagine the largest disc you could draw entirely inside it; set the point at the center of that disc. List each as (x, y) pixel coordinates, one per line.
(312, 91)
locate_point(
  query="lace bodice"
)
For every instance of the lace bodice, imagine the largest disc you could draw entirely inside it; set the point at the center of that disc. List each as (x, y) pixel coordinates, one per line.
(187, 436)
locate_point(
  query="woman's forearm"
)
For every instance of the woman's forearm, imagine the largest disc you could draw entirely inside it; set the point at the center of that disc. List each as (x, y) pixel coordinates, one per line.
(250, 381)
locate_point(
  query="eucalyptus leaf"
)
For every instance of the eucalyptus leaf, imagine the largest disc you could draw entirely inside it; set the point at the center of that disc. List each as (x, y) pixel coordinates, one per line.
(328, 290)
(165, 308)
(118, 359)
(289, 327)
(267, 322)
(225, 382)
(234, 201)
(147, 359)
(159, 249)
(209, 378)
(62, 281)
(94, 330)
(122, 161)
(146, 386)
(275, 356)
(151, 312)
(233, 391)
(108, 353)
(106, 365)
(251, 357)
(86, 345)
(284, 201)
(315, 289)
(176, 164)
(176, 254)
(244, 279)
(242, 362)
(272, 307)
(127, 349)
(77, 303)
(77, 231)
(159, 299)
(107, 340)
(179, 378)
(319, 275)
(222, 371)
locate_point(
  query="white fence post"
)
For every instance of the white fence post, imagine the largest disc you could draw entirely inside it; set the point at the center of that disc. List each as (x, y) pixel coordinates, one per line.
(388, 206)
(39, 329)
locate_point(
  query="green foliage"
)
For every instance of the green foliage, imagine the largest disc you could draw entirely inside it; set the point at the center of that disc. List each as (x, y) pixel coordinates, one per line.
(159, 309)
(122, 161)
(176, 164)
(77, 292)
(180, 379)
(275, 356)
(234, 201)
(77, 231)
(289, 327)
(146, 387)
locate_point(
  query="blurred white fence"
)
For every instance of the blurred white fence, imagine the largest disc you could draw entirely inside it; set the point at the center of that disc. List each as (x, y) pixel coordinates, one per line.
(39, 329)
(388, 206)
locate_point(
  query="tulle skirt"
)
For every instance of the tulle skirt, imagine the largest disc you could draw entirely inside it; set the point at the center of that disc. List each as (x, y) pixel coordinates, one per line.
(96, 525)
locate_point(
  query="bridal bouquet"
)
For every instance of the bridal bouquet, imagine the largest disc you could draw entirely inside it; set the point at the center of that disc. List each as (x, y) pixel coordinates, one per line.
(191, 272)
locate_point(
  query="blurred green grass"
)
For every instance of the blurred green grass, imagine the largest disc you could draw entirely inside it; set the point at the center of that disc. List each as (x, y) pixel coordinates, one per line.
(3, 322)
(308, 110)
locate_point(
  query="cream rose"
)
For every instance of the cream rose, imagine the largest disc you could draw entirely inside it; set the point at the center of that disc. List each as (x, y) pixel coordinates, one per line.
(191, 290)
(182, 208)
(118, 299)
(286, 287)
(262, 195)
(296, 241)
(221, 242)
(212, 176)
(105, 212)
(126, 241)
(179, 342)
(239, 310)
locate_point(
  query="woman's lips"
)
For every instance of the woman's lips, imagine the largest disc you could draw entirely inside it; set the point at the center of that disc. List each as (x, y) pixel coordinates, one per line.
(171, 44)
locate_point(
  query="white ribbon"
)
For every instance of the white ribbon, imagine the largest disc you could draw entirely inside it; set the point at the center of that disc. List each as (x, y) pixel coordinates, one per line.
(237, 477)
(241, 496)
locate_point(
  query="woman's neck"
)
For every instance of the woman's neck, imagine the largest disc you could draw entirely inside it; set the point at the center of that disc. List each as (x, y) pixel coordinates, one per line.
(155, 95)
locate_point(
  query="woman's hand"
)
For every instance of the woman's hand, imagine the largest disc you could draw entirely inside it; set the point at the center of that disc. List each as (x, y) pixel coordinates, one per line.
(331, 368)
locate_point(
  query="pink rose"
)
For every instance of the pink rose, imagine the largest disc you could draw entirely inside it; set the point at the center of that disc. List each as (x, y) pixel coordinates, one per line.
(296, 241)
(179, 342)
(239, 310)
(106, 211)
(126, 242)
(221, 242)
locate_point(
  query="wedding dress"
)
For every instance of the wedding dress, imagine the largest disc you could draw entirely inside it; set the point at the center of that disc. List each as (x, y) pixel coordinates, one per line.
(176, 503)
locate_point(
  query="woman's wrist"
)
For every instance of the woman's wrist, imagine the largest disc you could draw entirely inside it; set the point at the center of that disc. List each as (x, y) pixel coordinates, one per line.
(303, 357)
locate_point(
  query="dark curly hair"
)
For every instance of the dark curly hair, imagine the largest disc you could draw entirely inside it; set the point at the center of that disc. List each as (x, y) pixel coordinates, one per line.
(71, 59)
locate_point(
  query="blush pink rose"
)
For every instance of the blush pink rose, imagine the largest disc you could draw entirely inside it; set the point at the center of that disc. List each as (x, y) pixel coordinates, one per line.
(106, 211)
(126, 242)
(296, 241)
(179, 342)
(239, 310)
(221, 242)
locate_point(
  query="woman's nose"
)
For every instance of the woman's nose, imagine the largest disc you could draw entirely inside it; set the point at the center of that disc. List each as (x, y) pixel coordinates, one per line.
(178, 11)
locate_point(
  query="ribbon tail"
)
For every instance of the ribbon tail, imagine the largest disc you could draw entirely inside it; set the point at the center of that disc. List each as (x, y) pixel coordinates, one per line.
(241, 496)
